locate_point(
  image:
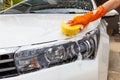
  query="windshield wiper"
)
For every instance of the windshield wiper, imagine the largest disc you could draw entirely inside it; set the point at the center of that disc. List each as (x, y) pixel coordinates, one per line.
(57, 12)
(72, 12)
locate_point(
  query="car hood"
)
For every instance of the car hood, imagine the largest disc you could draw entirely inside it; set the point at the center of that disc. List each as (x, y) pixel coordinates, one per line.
(25, 29)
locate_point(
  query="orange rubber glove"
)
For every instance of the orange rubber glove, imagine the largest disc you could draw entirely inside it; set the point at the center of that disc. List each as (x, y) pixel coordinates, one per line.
(88, 17)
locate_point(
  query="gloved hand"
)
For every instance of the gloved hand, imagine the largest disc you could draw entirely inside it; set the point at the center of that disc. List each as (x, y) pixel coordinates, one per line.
(88, 17)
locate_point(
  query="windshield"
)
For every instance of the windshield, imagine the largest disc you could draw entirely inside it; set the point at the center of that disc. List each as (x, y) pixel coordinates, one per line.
(51, 6)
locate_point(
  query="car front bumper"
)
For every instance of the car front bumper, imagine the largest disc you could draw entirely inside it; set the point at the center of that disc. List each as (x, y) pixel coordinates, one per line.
(78, 70)
(95, 69)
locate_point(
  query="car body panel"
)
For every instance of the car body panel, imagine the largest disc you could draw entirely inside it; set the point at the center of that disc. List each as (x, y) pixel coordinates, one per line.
(25, 29)
(76, 70)
(103, 52)
(95, 69)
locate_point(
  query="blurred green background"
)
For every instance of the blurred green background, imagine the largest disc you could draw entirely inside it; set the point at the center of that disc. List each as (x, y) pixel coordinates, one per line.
(0, 5)
(16, 1)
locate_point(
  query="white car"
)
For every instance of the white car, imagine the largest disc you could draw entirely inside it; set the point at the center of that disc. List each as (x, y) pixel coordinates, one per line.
(33, 47)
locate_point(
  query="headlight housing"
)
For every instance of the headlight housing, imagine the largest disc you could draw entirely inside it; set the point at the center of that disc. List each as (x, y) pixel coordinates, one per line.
(44, 55)
(34, 57)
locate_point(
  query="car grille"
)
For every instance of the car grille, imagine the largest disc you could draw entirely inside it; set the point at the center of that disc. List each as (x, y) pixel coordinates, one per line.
(7, 65)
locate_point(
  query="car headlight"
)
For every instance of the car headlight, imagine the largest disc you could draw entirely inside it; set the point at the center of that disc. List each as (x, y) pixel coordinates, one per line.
(34, 57)
(24, 59)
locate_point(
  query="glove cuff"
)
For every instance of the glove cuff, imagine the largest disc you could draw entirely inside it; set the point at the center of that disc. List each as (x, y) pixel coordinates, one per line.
(97, 13)
(103, 10)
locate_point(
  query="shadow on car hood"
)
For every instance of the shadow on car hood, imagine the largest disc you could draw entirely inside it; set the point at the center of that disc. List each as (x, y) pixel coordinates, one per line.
(24, 29)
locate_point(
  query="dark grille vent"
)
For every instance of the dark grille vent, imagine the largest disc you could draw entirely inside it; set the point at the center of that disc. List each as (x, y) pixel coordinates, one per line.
(7, 65)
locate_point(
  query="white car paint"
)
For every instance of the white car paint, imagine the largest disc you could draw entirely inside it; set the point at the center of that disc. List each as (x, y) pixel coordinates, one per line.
(25, 29)
(17, 30)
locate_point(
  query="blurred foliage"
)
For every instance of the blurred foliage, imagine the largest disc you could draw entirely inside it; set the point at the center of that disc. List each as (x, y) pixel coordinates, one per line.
(9, 3)
(16, 1)
(0, 5)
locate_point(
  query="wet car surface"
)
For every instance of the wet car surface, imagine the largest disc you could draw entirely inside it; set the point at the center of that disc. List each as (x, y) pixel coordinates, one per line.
(33, 46)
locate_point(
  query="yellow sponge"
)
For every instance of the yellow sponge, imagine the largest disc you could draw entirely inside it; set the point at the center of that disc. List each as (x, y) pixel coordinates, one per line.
(70, 30)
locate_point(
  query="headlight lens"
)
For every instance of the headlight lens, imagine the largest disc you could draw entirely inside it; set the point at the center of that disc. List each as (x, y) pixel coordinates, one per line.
(29, 59)
(26, 60)
(34, 57)
(55, 54)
